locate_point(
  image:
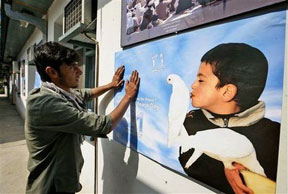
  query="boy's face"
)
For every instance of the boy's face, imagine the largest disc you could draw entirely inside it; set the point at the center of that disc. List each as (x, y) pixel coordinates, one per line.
(204, 93)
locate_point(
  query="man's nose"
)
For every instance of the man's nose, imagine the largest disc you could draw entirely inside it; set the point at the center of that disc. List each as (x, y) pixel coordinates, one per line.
(79, 71)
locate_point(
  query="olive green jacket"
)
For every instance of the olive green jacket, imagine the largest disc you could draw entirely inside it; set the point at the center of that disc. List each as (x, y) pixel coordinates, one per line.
(53, 132)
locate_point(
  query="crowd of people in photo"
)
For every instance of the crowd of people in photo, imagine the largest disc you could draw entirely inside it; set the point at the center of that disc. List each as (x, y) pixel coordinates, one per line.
(146, 14)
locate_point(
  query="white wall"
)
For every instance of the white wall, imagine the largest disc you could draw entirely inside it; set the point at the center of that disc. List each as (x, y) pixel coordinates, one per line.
(121, 170)
(35, 37)
(54, 12)
(283, 157)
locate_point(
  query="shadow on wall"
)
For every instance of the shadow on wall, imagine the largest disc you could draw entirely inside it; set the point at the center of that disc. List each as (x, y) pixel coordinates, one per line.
(119, 173)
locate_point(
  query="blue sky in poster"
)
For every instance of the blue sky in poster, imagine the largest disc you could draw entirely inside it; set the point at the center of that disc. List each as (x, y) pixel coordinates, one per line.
(181, 55)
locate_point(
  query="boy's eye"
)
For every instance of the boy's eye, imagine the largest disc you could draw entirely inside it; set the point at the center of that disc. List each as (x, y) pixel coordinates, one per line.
(200, 80)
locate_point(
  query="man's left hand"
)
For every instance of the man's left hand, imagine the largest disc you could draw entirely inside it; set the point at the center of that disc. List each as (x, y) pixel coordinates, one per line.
(117, 80)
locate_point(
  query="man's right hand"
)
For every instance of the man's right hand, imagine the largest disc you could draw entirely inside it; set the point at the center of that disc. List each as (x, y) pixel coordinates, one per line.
(131, 90)
(132, 85)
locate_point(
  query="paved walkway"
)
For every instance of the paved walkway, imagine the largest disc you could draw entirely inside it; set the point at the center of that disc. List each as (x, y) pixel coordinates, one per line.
(13, 151)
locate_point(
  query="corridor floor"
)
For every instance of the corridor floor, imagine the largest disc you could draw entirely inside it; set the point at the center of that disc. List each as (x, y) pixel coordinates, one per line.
(13, 150)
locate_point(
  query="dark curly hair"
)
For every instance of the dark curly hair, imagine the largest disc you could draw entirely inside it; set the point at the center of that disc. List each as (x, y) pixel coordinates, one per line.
(242, 65)
(54, 55)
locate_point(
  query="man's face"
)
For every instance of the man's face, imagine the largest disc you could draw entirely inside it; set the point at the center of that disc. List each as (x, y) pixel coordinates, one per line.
(204, 92)
(69, 75)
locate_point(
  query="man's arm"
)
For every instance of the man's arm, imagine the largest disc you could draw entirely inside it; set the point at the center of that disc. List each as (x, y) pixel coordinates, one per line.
(116, 82)
(66, 118)
(131, 89)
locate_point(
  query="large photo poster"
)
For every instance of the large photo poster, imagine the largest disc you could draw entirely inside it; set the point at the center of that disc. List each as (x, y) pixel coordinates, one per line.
(210, 101)
(146, 19)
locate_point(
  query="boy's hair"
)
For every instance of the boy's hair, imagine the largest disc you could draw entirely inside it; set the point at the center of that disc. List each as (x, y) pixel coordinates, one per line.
(242, 65)
(54, 55)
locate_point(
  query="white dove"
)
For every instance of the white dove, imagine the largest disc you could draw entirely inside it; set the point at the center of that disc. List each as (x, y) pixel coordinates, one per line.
(179, 104)
(224, 145)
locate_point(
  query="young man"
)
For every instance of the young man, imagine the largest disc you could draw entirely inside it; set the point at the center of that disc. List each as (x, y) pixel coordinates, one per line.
(230, 80)
(57, 118)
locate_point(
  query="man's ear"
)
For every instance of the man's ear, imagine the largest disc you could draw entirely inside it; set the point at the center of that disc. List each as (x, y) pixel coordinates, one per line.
(229, 92)
(51, 72)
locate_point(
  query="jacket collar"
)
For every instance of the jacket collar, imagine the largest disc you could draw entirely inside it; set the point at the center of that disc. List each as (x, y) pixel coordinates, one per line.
(71, 96)
(242, 119)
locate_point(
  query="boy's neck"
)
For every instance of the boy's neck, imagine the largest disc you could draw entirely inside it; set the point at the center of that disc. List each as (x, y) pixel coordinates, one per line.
(225, 109)
(223, 115)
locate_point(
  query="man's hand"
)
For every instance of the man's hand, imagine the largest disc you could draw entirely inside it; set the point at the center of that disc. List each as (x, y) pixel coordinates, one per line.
(234, 179)
(117, 80)
(131, 90)
(132, 85)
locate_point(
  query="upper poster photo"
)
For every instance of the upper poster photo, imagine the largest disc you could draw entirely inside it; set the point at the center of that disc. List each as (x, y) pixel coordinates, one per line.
(146, 19)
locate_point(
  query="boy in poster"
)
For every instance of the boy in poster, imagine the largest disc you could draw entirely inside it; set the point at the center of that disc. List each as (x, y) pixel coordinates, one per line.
(230, 80)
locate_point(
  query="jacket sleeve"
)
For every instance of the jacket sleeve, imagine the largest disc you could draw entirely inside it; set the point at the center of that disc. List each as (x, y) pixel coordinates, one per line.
(56, 114)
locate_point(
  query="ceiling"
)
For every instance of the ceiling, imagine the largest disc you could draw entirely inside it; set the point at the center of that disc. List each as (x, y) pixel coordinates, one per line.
(14, 36)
